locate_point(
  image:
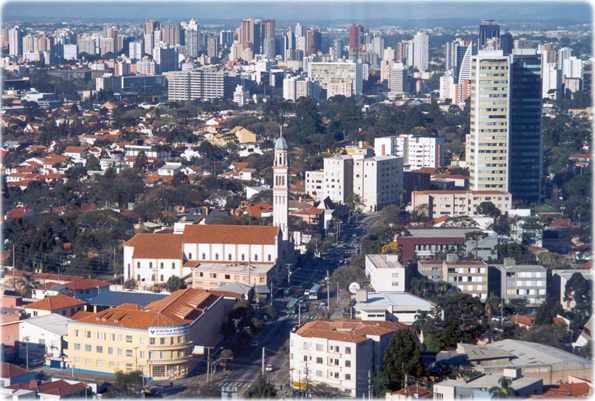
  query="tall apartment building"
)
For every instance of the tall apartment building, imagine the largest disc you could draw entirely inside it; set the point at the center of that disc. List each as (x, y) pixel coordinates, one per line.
(525, 138)
(471, 277)
(522, 281)
(87, 45)
(341, 354)
(166, 58)
(551, 81)
(213, 46)
(416, 151)
(338, 177)
(378, 181)
(203, 84)
(296, 87)
(107, 45)
(421, 51)
(344, 88)
(29, 44)
(135, 50)
(326, 73)
(172, 34)
(459, 202)
(398, 78)
(487, 144)
(15, 41)
(488, 30)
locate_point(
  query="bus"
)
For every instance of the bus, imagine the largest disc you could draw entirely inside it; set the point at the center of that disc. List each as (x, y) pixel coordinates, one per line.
(314, 292)
(291, 306)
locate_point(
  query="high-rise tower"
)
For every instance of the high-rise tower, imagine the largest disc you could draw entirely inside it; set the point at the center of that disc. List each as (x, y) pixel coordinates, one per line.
(281, 187)
(488, 29)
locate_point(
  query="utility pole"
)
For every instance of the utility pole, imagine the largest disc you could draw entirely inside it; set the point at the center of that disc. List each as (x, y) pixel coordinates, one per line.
(208, 362)
(328, 290)
(263, 362)
(14, 283)
(27, 352)
(299, 314)
(369, 386)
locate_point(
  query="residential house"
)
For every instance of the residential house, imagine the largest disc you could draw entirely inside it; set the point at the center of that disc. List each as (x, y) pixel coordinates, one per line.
(60, 304)
(11, 374)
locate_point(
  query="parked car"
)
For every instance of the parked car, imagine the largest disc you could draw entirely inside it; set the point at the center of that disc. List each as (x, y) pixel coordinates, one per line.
(269, 368)
(254, 344)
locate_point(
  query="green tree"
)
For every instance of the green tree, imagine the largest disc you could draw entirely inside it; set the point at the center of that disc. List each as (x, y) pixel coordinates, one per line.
(504, 391)
(141, 160)
(173, 284)
(130, 284)
(402, 356)
(26, 284)
(127, 384)
(488, 209)
(262, 389)
(475, 236)
(543, 315)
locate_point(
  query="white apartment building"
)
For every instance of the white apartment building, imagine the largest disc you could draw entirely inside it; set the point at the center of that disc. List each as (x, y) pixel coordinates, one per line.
(314, 183)
(421, 51)
(343, 88)
(572, 67)
(336, 72)
(378, 181)
(459, 202)
(296, 87)
(338, 177)
(523, 281)
(551, 81)
(416, 151)
(340, 354)
(386, 274)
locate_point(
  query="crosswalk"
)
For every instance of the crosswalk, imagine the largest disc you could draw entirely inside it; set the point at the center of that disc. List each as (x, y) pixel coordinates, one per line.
(238, 384)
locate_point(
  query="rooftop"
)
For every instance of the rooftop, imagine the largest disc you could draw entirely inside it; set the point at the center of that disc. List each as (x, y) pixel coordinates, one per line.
(117, 298)
(55, 302)
(54, 323)
(488, 381)
(346, 330)
(400, 299)
(261, 268)
(9, 370)
(385, 261)
(228, 234)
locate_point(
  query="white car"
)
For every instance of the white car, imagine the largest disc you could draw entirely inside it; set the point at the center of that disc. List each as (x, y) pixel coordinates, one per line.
(269, 368)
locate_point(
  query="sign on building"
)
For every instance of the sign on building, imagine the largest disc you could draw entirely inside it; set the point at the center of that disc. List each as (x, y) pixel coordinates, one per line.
(168, 331)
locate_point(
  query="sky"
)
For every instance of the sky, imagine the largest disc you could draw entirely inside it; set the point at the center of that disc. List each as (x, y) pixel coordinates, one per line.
(323, 11)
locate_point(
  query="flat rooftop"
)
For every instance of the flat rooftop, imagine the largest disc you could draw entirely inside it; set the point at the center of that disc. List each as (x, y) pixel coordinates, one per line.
(236, 268)
(397, 299)
(384, 261)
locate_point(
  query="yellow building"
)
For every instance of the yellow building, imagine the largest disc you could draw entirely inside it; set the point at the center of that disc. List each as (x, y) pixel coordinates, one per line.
(243, 135)
(157, 339)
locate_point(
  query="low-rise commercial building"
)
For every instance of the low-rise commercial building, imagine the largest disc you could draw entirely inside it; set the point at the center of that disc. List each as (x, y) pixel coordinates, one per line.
(479, 387)
(385, 273)
(43, 337)
(157, 339)
(340, 354)
(393, 307)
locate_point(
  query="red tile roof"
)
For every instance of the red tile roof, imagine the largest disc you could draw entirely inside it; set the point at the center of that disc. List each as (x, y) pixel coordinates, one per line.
(524, 320)
(85, 284)
(55, 302)
(9, 370)
(576, 389)
(346, 330)
(227, 234)
(156, 246)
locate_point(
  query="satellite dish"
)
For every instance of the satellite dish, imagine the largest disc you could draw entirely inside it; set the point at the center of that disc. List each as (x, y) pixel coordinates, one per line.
(353, 287)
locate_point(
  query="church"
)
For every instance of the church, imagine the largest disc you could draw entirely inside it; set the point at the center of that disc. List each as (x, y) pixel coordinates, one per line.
(214, 255)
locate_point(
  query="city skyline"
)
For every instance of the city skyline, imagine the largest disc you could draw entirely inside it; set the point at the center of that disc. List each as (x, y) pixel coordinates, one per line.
(403, 11)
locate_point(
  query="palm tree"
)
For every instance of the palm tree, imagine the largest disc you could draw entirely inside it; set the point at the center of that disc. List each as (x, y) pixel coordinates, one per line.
(504, 391)
(26, 284)
(421, 318)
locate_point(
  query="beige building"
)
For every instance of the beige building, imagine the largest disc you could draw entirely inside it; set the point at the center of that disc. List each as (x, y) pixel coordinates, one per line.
(337, 72)
(431, 269)
(340, 354)
(487, 142)
(243, 135)
(338, 177)
(60, 304)
(208, 276)
(157, 339)
(378, 181)
(459, 202)
(471, 277)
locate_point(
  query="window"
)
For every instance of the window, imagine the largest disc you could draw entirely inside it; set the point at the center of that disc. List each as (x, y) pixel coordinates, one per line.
(110, 351)
(129, 352)
(152, 341)
(99, 349)
(77, 361)
(180, 353)
(319, 373)
(347, 376)
(227, 277)
(256, 257)
(77, 347)
(129, 367)
(142, 354)
(159, 371)
(163, 355)
(162, 340)
(120, 338)
(138, 265)
(142, 340)
(161, 265)
(161, 278)
(229, 256)
(88, 334)
(112, 365)
(319, 347)
(100, 363)
(88, 348)
(128, 339)
(347, 364)
(88, 362)
(216, 256)
(318, 360)
(213, 275)
(204, 256)
(150, 265)
(243, 257)
(348, 350)
(305, 358)
(180, 339)
(77, 333)
(173, 265)
(152, 355)
(120, 352)
(270, 258)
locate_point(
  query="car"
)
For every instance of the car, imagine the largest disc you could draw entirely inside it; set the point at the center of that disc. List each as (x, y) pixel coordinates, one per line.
(323, 303)
(269, 368)
(301, 300)
(254, 344)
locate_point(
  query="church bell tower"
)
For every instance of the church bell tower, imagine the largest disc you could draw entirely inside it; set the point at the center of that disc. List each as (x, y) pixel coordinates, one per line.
(281, 187)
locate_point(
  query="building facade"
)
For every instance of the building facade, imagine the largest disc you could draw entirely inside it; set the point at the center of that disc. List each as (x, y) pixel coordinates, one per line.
(315, 183)
(471, 277)
(416, 151)
(459, 202)
(385, 273)
(338, 177)
(336, 72)
(378, 181)
(522, 281)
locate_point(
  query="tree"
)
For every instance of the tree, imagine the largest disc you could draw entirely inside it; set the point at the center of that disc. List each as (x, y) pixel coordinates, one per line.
(127, 384)
(488, 209)
(26, 284)
(460, 222)
(504, 391)
(207, 390)
(475, 236)
(130, 284)
(402, 356)
(543, 315)
(141, 160)
(173, 284)
(262, 389)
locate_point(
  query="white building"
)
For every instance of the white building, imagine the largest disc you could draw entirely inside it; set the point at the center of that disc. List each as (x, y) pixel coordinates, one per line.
(523, 281)
(338, 177)
(296, 87)
(341, 354)
(314, 183)
(551, 81)
(378, 181)
(385, 273)
(398, 78)
(421, 51)
(327, 73)
(392, 307)
(343, 88)
(240, 96)
(44, 335)
(572, 67)
(416, 151)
